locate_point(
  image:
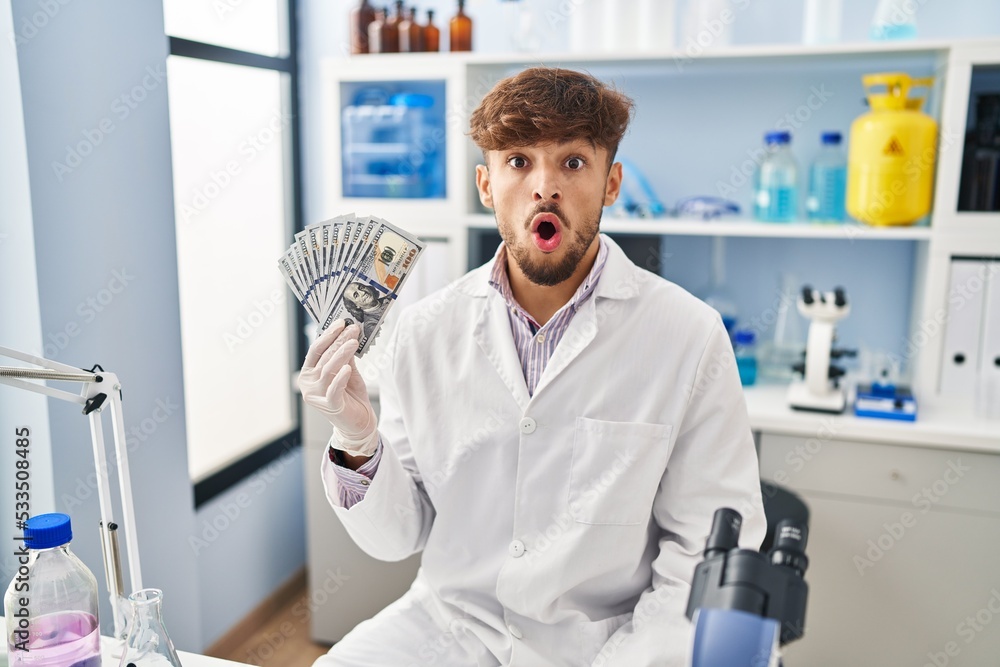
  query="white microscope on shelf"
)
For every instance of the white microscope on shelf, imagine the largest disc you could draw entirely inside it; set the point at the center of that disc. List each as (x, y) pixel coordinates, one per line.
(820, 390)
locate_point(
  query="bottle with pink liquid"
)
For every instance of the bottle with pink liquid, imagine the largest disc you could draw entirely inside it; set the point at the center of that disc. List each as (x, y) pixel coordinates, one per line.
(51, 604)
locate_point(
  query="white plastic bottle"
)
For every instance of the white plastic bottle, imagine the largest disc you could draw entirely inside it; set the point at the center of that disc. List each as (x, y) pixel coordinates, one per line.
(51, 604)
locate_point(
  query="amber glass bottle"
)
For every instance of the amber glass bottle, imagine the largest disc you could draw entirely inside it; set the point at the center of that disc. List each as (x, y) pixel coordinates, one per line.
(392, 22)
(390, 30)
(361, 17)
(411, 34)
(432, 36)
(461, 30)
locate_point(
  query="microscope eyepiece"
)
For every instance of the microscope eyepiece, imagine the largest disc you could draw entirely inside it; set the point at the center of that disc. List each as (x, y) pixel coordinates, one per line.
(807, 295)
(725, 535)
(839, 298)
(789, 547)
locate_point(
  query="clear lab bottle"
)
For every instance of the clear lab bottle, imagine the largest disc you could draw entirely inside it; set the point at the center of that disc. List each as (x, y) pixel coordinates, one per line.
(51, 606)
(777, 182)
(828, 182)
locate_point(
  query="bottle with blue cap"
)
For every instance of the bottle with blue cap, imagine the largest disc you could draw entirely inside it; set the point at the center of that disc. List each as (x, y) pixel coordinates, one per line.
(51, 604)
(828, 182)
(745, 347)
(776, 193)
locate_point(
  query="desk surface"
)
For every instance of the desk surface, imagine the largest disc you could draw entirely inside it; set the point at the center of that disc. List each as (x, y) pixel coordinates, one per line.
(187, 659)
(938, 425)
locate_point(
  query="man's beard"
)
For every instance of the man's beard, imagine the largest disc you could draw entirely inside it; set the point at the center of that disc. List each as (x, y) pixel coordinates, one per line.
(545, 273)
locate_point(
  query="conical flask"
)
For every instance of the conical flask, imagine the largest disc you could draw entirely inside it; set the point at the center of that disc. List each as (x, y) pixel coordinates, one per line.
(148, 644)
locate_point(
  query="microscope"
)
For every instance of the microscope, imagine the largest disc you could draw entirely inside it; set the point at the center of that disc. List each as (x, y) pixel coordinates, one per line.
(743, 603)
(820, 390)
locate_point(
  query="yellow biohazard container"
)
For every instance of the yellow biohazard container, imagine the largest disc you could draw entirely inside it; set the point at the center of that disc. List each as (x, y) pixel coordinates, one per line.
(892, 154)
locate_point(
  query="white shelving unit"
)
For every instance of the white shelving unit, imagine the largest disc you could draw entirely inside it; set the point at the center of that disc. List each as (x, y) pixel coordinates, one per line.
(469, 76)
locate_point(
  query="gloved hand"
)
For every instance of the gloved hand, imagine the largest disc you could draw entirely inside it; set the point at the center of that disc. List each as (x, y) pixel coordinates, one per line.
(330, 382)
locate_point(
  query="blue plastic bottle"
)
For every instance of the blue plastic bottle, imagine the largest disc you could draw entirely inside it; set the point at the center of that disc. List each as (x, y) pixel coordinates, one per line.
(776, 194)
(744, 345)
(828, 182)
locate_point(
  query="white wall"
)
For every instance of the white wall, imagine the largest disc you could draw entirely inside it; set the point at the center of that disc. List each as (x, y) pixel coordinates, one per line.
(107, 293)
(106, 267)
(20, 323)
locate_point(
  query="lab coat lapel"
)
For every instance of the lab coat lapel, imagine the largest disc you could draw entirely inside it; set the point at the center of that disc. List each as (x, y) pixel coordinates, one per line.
(619, 281)
(580, 333)
(494, 337)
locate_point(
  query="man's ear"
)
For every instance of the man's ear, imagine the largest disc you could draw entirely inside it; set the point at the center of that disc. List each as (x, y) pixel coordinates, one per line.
(484, 186)
(613, 186)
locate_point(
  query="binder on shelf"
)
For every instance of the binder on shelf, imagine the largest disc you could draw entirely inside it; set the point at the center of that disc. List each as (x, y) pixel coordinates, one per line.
(963, 328)
(988, 385)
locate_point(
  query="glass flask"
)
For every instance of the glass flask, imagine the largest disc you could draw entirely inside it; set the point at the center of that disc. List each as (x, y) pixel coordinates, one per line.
(148, 644)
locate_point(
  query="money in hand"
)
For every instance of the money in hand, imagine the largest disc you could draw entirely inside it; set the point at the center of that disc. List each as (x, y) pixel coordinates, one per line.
(350, 268)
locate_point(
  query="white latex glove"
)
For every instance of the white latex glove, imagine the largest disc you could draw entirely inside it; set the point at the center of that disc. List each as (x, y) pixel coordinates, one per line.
(330, 382)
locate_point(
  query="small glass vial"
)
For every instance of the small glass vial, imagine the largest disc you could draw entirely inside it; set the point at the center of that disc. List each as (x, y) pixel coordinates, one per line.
(460, 30)
(411, 34)
(361, 17)
(744, 345)
(432, 36)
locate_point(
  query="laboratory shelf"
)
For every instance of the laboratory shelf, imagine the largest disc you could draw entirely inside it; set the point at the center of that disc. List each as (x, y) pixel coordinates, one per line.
(744, 228)
(733, 53)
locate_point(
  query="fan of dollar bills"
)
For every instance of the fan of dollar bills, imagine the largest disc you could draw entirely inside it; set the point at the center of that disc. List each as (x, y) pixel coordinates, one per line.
(350, 268)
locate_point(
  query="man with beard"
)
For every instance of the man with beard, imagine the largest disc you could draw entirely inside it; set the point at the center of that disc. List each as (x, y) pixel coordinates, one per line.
(558, 426)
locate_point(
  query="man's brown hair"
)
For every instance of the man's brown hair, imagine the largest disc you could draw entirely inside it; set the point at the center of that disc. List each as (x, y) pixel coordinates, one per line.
(551, 105)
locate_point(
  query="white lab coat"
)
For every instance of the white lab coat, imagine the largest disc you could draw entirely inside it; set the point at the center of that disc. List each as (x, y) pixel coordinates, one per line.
(561, 528)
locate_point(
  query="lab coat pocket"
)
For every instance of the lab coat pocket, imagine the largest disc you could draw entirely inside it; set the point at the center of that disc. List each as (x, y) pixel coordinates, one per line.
(616, 470)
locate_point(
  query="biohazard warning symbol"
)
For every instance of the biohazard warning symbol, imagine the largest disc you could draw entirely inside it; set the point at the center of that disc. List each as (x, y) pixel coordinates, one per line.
(893, 148)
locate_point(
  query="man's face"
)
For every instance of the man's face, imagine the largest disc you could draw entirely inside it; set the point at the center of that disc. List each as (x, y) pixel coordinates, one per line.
(360, 295)
(548, 200)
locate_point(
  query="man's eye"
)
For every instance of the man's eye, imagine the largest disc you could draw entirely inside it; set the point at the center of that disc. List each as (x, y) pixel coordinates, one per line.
(575, 163)
(517, 162)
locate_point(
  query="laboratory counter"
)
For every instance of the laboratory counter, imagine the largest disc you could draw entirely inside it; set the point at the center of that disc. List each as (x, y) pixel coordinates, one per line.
(187, 659)
(938, 425)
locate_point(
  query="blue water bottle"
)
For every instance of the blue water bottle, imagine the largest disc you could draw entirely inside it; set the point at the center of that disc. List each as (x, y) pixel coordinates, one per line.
(828, 182)
(744, 345)
(776, 194)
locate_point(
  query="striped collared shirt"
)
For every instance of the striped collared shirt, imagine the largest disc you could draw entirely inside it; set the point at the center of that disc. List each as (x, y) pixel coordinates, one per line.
(535, 345)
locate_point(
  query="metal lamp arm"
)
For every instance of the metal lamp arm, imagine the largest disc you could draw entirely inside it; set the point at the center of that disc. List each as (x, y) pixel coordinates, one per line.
(100, 389)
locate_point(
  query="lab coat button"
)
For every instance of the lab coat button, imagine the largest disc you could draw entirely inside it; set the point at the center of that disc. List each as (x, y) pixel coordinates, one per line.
(515, 631)
(516, 548)
(527, 425)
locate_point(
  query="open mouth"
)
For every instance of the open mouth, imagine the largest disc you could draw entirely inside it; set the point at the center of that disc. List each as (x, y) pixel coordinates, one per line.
(546, 231)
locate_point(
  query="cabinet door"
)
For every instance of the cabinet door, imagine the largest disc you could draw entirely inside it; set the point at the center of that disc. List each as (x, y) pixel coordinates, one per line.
(346, 585)
(890, 585)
